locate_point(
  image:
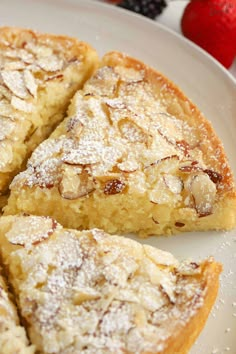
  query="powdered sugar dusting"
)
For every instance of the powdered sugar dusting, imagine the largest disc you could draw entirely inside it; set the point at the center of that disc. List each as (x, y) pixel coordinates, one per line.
(119, 128)
(89, 292)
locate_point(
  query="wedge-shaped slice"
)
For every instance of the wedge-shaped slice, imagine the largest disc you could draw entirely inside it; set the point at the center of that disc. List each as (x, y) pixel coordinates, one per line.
(134, 155)
(88, 292)
(39, 73)
(13, 338)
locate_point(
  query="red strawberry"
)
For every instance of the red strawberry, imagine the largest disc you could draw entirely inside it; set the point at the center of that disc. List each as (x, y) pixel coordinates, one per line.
(212, 25)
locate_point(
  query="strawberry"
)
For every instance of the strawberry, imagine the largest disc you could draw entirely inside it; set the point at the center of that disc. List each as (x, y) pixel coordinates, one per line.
(212, 25)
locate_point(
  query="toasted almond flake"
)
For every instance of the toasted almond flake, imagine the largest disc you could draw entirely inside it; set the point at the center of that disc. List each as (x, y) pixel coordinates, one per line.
(115, 103)
(132, 132)
(21, 105)
(22, 54)
(129, 75)
(203, 191)
(6, 109)
(189, 268)
(160, 257)
(128, 166)
(15, 82)
(51, 63)
(30, 83)
(114, 186)
(7, 126)
(38, 50)
(174, 183)
(6, 155)
(14, 65)
(5, 92)
(84, 154)
(30, 231)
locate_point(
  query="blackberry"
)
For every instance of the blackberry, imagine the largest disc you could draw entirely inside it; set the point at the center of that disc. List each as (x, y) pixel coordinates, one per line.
(148, 8)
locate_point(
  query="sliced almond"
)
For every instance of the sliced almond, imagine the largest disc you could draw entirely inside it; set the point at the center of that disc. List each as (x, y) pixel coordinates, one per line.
(50, 63)
(169, 127)
(6, 154)
(85, 294)
(166, 165)
(38, 50)
(5, 92)
(15, 82)
(203, 191)
(115, 103)
(7, 127)
(6, 109)
(132, 132)
(174, 183)
(189, 268)
(30, 83)
(84, 154)
(21, 105)
(183, 146)
(58, 77)
(160, 194)
(151, 297)
(14, 65)
(189, 166)
(130, 75)
(214, 176)
(69, 186)
(75, 126)
(28, 231)
(74, 186)
(128, 166)
(103, 82)
(22, 54)
(160, 257)
(114, 186)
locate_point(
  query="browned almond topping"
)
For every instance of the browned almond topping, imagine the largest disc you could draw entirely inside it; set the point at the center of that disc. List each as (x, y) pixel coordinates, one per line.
(132, 132)
(155, 221)
(14, 80)
(31, 231)
(203, 191)
(30, 83)
(214, 176)
(190, 168)
(114, 186)
(183, 146)
(54, 77)
(174, 183)
(74, 185)
(179, 224)
(74, 126)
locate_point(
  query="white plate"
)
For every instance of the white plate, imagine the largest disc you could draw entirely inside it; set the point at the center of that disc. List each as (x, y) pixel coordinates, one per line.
(202, 79)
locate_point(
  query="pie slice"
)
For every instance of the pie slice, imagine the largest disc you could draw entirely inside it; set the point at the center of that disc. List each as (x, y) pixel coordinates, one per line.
(87, 292)
(13, 338)
(134, 155)
(39, 73)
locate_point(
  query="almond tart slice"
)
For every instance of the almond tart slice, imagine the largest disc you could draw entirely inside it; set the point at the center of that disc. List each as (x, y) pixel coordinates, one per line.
(13, 339)
(134, 155)
(88, 292)
(39, 73)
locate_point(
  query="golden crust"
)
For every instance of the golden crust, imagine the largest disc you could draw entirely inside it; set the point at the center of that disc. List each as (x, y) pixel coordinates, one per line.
(93, 292)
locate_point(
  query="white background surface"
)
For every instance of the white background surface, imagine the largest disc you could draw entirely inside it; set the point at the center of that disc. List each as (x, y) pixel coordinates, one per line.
(210, 86)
